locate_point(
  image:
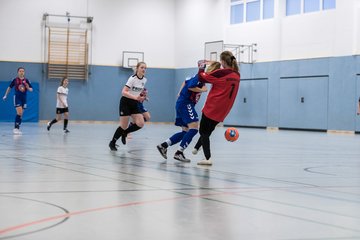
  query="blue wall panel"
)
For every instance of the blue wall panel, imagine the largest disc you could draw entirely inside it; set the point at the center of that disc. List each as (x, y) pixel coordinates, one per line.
(7, 110)
(356, 100)
(250, 107)
(304, 102)
(342, 85)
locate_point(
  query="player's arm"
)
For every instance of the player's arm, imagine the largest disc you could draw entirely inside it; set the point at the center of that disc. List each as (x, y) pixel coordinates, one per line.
(6, 93)
(207, 78)
(197, 89)
(126, 93)
(182, 86)
(28, 85)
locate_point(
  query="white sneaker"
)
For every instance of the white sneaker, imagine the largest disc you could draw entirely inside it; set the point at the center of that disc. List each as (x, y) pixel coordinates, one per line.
(205, 162)
(195, 151)
(17, 131)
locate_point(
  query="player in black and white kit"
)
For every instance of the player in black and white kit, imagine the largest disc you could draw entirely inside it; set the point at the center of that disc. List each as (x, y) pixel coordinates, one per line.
(61, 105)
(129, 107)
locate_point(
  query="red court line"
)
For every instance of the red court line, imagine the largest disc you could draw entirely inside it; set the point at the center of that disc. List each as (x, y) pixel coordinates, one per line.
(49, 219)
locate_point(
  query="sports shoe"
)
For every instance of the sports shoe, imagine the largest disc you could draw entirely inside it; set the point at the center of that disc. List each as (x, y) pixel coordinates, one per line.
(181, 157)
(195, 151)
(205, 162)
(162, 151)
(17, 131)
(48, 126)
(112, 146)
(66, 131)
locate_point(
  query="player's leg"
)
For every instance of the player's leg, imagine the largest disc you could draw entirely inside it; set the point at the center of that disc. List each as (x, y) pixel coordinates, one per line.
(197, 146)
(18, 119)
(190, 119)
(174, 139)
(207, 126)
(55, 120)
(66, 120)
(186, 140)
(124, 113)
(146, 116)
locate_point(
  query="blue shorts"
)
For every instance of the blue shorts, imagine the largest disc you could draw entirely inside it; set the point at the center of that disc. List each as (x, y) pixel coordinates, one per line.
(141, 107)
(20, 101)
(185, 114)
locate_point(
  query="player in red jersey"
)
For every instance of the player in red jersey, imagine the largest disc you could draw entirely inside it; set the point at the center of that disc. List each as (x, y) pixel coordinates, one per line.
(225, 84)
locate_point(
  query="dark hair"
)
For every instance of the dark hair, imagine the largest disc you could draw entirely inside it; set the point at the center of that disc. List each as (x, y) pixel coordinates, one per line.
(20, 68)
(62, 81)
(229, 60)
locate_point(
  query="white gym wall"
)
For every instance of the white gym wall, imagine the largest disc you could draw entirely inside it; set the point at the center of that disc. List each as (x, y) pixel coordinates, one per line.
(172, 33)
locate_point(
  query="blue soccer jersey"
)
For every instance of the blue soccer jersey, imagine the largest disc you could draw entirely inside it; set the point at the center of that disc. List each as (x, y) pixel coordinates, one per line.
(20, 86)
(186, 96)
(185, 104)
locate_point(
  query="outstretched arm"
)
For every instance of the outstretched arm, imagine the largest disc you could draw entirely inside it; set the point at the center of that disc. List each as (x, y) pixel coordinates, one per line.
(197, 89)
(6, 93)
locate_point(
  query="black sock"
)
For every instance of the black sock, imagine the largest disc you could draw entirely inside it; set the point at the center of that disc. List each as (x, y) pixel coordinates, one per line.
(132, 128)
(164, 144)
(65, 123)
(118, 133)
(53, 121)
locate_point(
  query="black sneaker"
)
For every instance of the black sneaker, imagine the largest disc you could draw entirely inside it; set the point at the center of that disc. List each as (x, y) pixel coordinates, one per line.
(162, 151)
(181, 157)
(66, 131)
(48, 126)
(112, 146)
(123, 139)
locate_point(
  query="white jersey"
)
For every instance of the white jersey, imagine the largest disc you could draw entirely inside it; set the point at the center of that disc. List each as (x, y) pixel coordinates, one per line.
(62, 93)
(136, 85)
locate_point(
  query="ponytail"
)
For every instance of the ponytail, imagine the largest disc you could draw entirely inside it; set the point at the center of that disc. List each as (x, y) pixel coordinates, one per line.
(229, 60)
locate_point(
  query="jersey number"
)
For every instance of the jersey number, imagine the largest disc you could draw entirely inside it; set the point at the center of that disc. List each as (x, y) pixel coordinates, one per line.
(232, 90)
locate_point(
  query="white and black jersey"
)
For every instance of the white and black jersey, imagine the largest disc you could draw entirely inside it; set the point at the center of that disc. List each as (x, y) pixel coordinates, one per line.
(62, 95)
(136, 85)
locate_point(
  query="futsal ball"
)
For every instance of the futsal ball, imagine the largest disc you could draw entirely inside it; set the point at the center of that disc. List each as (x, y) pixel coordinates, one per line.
(231, 134)
(21, 88)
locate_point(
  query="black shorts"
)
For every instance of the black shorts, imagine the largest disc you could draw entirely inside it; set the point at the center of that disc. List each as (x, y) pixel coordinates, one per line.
(62, 110)
(128, 106)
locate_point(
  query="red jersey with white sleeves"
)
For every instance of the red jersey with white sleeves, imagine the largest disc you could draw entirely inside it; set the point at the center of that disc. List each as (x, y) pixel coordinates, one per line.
(225, 85)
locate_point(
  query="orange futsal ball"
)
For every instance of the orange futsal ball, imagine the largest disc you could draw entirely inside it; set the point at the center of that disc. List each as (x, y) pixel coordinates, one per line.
(231, 134)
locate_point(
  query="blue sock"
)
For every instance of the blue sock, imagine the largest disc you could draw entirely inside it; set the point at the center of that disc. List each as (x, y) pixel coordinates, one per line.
(186, 140)
(177, 137)
(17, 121)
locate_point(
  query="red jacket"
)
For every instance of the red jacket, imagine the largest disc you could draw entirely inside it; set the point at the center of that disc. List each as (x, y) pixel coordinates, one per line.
(225, 85)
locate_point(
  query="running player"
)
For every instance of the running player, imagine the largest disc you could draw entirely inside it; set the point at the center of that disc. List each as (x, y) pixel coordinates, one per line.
(225, 84)
(131, 96)
(22, 85)
(61, 105)
(186, 115)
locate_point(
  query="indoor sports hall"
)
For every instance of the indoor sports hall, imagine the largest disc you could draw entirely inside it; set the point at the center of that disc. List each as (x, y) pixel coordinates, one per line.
(285, 160)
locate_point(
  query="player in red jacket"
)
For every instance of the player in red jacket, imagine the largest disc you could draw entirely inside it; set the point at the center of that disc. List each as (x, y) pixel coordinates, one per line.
(225, 84)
